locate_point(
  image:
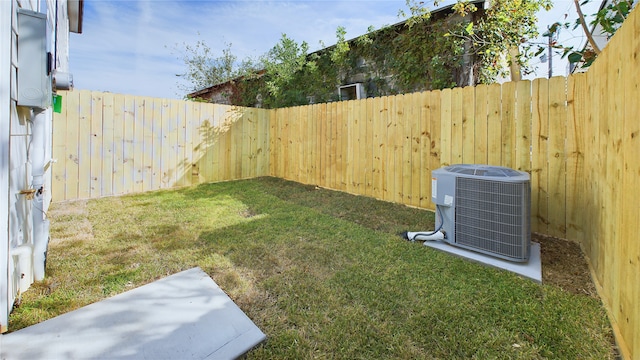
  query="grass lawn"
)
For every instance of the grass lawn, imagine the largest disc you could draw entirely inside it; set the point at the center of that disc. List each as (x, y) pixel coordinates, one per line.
(322, 273)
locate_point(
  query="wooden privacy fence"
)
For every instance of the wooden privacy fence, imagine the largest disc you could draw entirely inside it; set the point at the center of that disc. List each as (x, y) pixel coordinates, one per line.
(111, 144)
(387, 147)
(607, 156)
(578, 137)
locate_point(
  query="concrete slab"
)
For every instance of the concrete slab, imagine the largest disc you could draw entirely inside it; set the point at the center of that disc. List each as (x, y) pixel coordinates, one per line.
(531, 269)
(183, 316)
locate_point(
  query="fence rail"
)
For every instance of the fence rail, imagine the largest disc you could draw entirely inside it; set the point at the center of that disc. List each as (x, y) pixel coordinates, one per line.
(578, 137)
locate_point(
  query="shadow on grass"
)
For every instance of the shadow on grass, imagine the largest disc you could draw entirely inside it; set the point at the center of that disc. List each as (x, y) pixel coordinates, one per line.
(365, 211)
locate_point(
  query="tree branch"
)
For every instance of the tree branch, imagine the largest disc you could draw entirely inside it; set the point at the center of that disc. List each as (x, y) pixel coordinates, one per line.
(586, 29)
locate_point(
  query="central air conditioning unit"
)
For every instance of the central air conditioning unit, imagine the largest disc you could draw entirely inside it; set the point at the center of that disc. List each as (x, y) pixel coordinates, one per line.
(485, 209)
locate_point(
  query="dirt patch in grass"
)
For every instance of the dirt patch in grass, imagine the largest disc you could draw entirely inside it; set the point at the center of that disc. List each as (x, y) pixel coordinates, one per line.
(71, 222)
(247, 213)
(564, 265)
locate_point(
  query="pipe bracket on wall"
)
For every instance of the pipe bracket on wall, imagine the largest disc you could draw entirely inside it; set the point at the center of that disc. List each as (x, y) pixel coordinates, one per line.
(62, 80)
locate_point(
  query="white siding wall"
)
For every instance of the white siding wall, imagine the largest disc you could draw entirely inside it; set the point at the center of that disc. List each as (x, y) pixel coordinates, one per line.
(15, 134)
(5, 111)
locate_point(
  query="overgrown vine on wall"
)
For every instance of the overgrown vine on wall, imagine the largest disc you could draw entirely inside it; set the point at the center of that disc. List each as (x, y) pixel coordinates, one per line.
(388, 61)
(426, 52)
(416, 57)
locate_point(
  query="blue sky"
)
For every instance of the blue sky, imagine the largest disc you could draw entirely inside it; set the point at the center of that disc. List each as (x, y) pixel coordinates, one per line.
(127, 46)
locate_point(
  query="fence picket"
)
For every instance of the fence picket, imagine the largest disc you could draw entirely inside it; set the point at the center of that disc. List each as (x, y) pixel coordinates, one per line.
(71, 155)
(378, 148)
(128, 154)
(539, 156)
(480, 135)
(361, 176)
(145, 111)
(508, 151)
(457, 103)
(435, 155)
(556, 157)
(445, 127)
(187, 130)
(118, 176)
(494, 125)
(425, 150)
(367, 148)
(324, 145)
(393, 165)
(468, 124)
(523, 126)
(415, 160)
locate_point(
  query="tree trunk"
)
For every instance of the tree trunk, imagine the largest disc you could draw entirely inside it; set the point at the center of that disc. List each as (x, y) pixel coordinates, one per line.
(514, 67)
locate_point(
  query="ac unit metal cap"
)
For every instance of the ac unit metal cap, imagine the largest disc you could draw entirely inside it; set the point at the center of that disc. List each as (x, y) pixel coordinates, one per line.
(489, 171)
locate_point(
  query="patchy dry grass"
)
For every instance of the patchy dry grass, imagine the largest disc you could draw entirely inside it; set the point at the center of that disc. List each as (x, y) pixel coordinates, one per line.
(322, 273)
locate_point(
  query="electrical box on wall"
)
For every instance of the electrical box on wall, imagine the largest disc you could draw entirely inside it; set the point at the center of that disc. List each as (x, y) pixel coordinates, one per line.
(34, 62)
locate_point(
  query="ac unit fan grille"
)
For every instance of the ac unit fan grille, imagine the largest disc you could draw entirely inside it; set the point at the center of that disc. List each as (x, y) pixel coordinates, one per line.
(493, 216)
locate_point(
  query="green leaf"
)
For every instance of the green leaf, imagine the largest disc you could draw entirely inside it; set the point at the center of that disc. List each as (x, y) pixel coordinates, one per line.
(624, 7)
(574, 57)
(469, 28)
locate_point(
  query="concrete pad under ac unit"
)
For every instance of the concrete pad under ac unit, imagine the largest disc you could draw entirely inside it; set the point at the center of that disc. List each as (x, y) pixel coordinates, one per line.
(531, 269)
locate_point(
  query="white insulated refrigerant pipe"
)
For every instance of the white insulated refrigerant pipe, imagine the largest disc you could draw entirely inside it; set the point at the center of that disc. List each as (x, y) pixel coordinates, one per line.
(427, 235)
(40, 223)
(424, 236)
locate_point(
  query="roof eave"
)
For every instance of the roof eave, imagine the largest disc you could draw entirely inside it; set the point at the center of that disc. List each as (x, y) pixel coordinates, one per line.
(75, 13)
